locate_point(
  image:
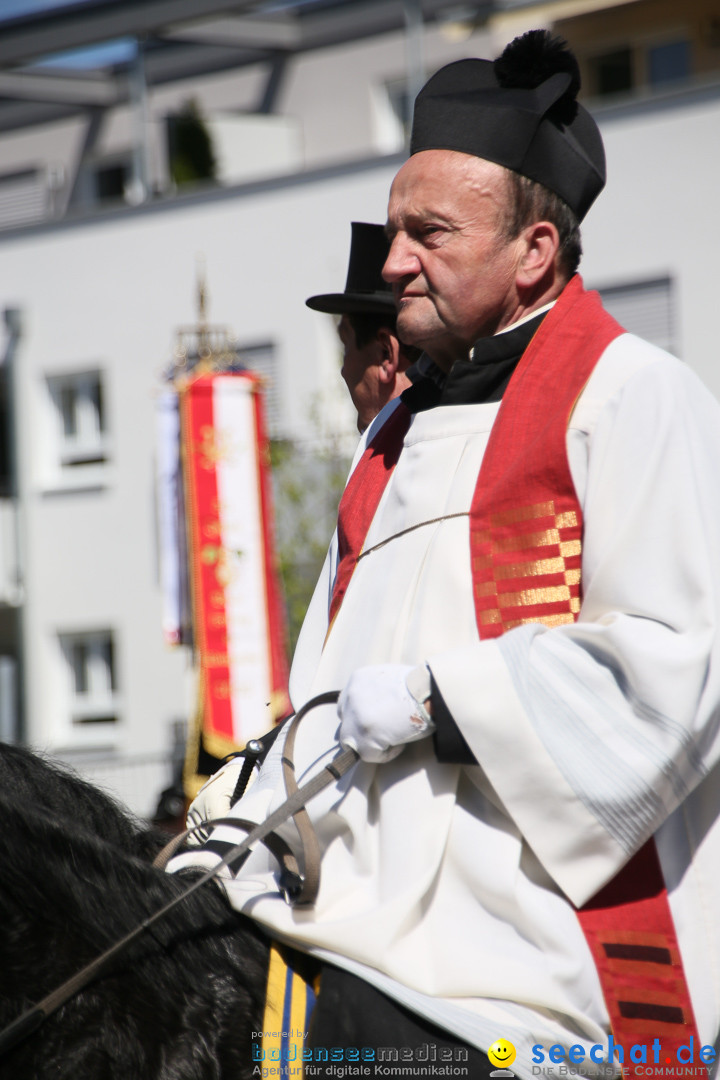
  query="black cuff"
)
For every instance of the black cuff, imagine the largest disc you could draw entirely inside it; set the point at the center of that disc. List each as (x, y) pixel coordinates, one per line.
(450, 745)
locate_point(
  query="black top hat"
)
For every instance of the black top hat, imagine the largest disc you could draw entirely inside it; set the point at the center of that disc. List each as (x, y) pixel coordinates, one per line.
(365, 290)
(518, 111)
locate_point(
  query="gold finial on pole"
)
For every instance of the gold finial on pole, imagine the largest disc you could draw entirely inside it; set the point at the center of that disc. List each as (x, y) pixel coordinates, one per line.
(204, 349)
(201, 291)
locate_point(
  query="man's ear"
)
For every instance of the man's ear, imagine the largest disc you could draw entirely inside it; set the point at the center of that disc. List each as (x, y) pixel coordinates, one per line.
(539, 245)
(388, 354)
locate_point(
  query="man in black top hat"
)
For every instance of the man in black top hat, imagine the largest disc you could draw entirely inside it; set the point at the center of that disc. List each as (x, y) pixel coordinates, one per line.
(375, 361)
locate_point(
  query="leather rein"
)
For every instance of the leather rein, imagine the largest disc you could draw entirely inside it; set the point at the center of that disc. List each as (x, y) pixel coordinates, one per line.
(302, 889)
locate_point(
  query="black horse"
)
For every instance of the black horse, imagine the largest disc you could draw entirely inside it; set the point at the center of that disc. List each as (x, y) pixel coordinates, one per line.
(75, 876)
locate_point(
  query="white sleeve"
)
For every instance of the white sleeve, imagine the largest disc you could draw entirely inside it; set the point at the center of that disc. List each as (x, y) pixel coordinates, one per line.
(593, 733)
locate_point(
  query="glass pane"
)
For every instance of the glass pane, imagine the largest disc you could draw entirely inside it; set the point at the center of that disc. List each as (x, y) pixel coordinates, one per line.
(96, 396)
(667, 63)
(107, 651)
(613, 72)
(68, 399)
(110, 182)
(79, 662)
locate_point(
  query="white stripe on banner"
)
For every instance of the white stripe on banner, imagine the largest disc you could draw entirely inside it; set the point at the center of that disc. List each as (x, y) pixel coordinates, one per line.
(171, 524)
(242, 539)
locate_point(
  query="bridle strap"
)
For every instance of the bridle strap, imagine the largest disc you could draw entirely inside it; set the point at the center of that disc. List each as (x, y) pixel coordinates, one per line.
(309, 843)
(309, 881)
(275, 844)
(33, 1017)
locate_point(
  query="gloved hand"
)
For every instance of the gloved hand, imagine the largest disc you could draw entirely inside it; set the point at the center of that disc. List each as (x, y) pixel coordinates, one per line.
(214, 798)
(379, 714)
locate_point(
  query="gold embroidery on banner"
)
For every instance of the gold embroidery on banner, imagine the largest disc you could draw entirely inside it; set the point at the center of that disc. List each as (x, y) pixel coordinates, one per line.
(214, 660)
(568, 548)
(568, 520)
(572, 577)
(212, 447)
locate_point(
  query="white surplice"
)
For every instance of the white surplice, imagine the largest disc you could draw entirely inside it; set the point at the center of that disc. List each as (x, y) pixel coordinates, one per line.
(452, 888)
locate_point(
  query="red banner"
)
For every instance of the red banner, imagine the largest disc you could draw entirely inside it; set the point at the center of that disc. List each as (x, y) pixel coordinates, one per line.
(238, 617)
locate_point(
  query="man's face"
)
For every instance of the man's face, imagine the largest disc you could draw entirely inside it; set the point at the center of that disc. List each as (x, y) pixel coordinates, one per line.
(452, 272)
(361, 373)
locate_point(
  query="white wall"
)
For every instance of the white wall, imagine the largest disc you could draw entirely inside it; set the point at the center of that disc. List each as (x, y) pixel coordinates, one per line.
(659, 215)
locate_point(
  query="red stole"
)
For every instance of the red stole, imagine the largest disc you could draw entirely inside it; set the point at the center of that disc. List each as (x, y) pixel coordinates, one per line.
(525, 518)
(526, 543)
(362, 496)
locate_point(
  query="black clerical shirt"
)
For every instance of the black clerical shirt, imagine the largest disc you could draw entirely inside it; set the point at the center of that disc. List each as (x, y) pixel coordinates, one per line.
(482, 378)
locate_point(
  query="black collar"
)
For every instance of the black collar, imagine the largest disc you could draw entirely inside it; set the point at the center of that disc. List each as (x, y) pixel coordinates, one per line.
(482, 378)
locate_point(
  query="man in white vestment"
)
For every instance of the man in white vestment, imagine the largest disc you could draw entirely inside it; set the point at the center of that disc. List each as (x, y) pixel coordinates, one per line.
(525, 635)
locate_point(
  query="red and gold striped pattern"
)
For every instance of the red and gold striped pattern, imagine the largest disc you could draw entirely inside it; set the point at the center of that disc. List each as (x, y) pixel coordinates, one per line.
(526, 567)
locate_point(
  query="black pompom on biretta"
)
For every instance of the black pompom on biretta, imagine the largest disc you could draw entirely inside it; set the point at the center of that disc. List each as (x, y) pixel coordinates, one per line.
(520, 111)
(532, 58)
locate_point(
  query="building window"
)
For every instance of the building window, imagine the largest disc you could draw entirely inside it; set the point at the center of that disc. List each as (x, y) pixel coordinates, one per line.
(262, 359)
(390, 106)
(81, 427)
(640, 64)
(111, 182)
(612, 72)
(645, 308)
(91, 675)
(104, 181)
(668, 63)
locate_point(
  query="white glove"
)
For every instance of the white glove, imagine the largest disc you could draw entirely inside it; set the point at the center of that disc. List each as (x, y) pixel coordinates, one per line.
(214, 798)
(378, 713)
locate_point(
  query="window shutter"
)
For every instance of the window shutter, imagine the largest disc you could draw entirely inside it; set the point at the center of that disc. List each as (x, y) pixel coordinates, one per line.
(645, 308)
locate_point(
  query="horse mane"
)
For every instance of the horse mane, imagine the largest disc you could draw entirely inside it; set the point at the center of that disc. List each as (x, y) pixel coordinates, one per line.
(40, 783)
(179, 1005)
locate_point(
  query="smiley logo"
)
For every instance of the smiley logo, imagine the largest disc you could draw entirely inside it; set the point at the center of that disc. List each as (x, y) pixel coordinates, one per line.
(501, 1053)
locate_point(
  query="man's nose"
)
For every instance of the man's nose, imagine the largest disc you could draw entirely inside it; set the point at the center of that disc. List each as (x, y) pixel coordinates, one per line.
(400, 262)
